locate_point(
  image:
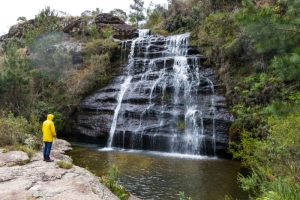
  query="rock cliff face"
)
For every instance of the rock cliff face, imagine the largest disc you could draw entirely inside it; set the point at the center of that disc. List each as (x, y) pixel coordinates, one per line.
(164, 101)
(79, 25)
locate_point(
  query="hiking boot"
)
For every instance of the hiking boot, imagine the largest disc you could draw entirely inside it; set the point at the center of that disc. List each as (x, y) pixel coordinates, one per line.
(49, 160)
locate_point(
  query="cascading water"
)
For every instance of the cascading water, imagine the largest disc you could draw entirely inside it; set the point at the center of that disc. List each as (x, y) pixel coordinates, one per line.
(124, 87)
(163, 101)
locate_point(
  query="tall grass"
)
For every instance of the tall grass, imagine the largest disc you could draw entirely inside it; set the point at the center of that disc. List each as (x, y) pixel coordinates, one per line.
(280, 189)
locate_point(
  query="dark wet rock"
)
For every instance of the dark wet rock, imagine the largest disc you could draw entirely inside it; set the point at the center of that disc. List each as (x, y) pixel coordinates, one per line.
(154, 110)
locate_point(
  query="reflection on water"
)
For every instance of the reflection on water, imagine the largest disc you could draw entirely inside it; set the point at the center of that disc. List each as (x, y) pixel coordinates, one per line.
(149, 175)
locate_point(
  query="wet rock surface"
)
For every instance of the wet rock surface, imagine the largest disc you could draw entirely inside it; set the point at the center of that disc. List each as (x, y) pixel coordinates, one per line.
(46, 180)
(170, 98)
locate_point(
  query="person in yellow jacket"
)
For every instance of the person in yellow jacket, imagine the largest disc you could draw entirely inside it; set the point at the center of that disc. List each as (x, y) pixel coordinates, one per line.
(49, 133)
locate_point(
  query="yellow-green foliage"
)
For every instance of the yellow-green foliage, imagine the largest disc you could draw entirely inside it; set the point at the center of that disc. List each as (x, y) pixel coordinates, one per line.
(64, 164)
(98, 54)
(274, 161)
(14, 131)
(100, 46)
(160, 32)
(95, 75)
(26, 149)
(217, 36)
(111, 181)
(46, 21)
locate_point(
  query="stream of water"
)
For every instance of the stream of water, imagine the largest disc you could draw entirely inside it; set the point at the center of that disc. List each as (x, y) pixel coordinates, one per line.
(161, 176)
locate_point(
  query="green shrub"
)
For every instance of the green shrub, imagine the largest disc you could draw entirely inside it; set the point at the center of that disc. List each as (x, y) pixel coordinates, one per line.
(111, 181)
(273, 160)
(12, 130)
(280, 189)
(30, 152)
(64, 164)
(99, 47)
(46, 21)
(160, 32)
(183, 197)
(108, 31)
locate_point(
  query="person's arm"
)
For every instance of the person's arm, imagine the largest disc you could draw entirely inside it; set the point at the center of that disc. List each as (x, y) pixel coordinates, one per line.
(53, 130)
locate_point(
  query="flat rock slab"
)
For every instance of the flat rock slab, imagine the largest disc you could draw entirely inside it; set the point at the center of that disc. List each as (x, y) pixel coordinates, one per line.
(46, 180)
(13, 158)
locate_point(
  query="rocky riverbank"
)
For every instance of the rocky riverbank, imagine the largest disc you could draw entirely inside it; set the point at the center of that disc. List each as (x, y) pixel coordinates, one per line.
(22, 177)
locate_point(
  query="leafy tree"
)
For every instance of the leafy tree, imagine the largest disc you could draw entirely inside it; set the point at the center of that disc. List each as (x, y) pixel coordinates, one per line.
(22, 18)
(46, 21)
(131, 20)
(107, 33)
(275, 28)
(137, 12)
(119, 13)
(96, 12)
(155, 16)
(86, 13)
(15, 79)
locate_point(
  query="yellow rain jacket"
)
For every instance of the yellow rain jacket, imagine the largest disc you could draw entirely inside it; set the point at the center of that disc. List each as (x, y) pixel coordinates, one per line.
(48, 129)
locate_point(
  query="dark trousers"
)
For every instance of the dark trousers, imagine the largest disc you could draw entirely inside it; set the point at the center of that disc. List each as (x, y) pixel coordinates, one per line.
(47, 149)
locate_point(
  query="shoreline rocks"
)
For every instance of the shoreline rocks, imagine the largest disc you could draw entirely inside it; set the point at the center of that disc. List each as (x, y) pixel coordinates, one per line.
(46, 180)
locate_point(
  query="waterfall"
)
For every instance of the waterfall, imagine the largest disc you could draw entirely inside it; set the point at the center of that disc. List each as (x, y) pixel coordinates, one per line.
(165, 100)
(124, 87)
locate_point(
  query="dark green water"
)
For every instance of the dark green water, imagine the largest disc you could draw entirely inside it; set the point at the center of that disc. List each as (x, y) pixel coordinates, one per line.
(150, 175)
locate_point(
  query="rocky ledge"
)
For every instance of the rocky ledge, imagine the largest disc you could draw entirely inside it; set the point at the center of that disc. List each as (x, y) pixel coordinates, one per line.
(46, 180)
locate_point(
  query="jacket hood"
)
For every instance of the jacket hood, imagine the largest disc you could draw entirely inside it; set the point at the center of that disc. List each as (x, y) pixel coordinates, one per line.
(50, 117)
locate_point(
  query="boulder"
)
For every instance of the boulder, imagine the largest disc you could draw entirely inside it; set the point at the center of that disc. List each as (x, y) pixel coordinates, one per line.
(120, 31)
(78, 25)
(70, 24)
(106, 18)
(13, 158)
(17, 30)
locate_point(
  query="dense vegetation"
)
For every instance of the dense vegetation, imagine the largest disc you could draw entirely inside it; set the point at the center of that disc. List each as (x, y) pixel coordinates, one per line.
(254, 48)
(111, 181)
(252, 45)
(37, 76)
